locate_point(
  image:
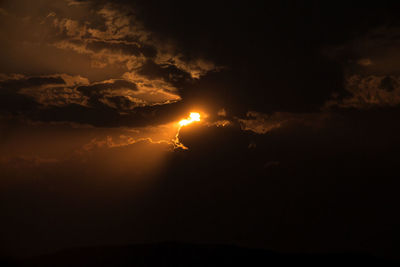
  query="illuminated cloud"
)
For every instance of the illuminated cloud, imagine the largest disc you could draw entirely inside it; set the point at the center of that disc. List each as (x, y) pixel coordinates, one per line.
(122, 39)
(193, 117)
(221, 112)
(66, 98)
(260, 123)
(153, 90)
(222, 123)
(23, 94)
(122, 141)
(99, 58)
(364, 62)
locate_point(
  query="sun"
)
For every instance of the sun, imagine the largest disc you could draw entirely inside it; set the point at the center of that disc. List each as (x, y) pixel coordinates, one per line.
(194, 116)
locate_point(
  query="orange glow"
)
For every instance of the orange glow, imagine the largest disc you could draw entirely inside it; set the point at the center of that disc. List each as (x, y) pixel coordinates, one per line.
(194, 116)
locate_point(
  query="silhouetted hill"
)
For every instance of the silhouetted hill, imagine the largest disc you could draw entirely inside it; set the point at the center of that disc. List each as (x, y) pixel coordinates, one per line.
(185, 255)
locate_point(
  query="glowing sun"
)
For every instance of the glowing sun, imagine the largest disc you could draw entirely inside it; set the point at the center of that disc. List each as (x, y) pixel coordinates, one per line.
(194, 116)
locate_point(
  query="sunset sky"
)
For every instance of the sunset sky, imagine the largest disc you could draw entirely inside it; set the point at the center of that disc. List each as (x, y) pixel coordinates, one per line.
(290, 139)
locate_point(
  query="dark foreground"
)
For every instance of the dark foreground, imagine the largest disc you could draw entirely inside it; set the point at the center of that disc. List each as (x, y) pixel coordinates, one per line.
(171, 254)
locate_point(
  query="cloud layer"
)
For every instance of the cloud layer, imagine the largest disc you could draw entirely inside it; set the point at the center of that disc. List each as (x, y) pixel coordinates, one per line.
(85, 57)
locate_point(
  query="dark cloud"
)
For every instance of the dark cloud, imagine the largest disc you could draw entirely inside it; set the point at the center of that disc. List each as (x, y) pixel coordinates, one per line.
(16, 84)
(128, 66)
(368, 91)
(75, 99)
(260, 123)
(96, 89)
(123, 48)
(388, 84)
(300, 78)
(106, 116)
(98, 104)
(370, 67)
(167, 72)
(15, 103)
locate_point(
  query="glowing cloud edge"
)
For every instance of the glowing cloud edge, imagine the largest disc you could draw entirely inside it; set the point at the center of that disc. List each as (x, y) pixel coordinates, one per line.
(193, 117)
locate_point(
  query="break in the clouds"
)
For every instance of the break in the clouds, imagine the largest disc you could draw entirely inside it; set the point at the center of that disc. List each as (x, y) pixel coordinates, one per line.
(86, 57)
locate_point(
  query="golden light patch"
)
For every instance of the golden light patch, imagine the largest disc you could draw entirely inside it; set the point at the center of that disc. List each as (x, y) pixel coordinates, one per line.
(194, 116)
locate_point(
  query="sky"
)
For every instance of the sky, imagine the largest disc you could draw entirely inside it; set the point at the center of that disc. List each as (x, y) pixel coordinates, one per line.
(296, 149)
